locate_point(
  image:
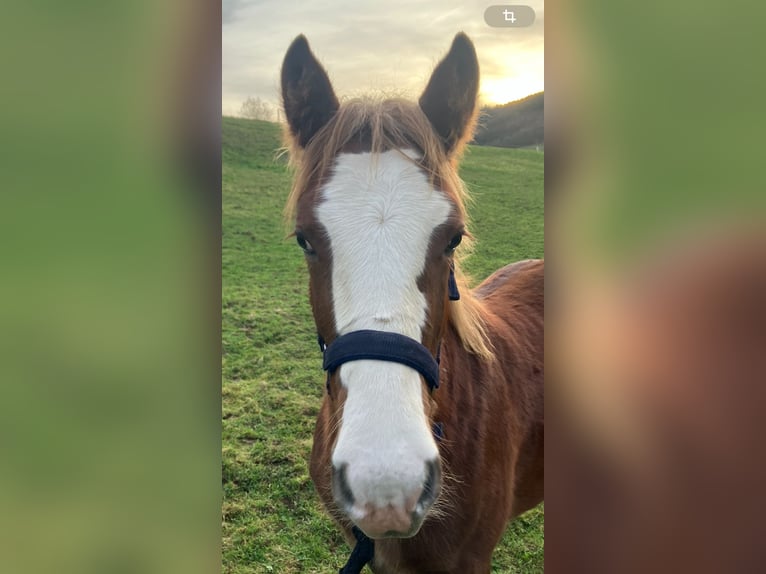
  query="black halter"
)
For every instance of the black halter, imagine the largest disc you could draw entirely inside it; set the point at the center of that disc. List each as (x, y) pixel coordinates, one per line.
(383, 346)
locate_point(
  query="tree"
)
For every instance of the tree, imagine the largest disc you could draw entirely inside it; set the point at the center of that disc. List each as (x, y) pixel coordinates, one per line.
(257, 109)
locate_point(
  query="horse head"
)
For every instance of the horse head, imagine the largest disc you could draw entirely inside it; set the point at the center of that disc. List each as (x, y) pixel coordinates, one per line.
(379, 212)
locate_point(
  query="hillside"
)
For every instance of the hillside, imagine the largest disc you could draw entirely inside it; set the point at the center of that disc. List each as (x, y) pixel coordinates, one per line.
(272, 379)
(515, 124)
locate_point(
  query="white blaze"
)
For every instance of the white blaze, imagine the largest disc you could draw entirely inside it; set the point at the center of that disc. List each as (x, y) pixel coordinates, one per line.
(379, 215)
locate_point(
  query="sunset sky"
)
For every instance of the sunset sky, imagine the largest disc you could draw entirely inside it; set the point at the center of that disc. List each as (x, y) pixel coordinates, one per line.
(391, 46)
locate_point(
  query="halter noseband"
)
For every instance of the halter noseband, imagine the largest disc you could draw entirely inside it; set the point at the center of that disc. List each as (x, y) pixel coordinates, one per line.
(368, 344)
(382, 346)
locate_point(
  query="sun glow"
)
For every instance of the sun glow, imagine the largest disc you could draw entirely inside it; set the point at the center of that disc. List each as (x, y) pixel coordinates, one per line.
(495, 91)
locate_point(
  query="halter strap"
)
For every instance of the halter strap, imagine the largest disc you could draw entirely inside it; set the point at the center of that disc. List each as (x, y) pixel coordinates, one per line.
(363, 553)
(382, 346)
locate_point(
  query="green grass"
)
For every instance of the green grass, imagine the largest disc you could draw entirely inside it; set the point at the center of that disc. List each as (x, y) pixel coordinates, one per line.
(272, 376)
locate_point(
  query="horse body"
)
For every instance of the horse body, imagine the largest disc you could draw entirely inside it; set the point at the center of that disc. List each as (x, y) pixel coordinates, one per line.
(379, 213)
(492, 450)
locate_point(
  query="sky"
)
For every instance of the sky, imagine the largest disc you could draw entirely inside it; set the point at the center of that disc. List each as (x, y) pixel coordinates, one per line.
(389, 46)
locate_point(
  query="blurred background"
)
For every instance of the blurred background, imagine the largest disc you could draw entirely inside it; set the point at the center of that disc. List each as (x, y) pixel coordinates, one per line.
(109, 289)
(110, 284)
(656, 290)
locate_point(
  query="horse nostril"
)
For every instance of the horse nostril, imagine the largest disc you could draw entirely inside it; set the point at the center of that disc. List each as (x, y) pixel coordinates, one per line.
(432, 484)
(340, 488)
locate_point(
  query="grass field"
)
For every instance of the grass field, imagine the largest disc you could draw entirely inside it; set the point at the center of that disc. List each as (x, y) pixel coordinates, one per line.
(272, 375)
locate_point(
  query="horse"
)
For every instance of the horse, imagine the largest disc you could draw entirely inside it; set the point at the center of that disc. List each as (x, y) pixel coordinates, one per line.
(430, 437)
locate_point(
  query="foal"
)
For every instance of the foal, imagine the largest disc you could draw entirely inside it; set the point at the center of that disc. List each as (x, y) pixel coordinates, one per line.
(431, 475)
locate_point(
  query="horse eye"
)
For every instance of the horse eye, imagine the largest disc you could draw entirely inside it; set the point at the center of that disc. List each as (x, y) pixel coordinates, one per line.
(454, 242)
(304, 244)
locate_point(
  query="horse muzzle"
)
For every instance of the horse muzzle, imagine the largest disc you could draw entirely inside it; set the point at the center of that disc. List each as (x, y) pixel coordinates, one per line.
(393, 514)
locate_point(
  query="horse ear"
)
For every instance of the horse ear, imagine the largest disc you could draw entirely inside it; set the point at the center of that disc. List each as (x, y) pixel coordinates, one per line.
(449, 100)
(307, 94)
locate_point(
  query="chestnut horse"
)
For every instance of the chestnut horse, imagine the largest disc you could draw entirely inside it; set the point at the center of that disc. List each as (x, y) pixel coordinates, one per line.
(426, 479)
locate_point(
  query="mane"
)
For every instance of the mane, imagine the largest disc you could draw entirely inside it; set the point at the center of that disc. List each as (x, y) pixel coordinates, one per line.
(395, 124)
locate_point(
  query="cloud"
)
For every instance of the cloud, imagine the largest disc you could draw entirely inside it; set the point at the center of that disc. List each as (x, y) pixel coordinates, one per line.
(229, 10)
